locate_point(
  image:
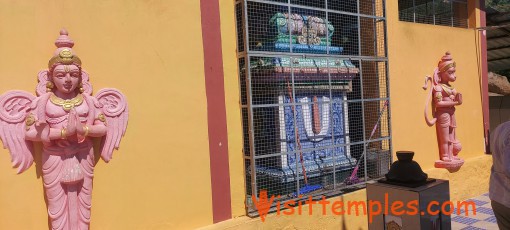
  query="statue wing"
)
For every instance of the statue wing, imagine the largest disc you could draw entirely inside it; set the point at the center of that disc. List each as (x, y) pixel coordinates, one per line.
(114, 106)
(14, 106)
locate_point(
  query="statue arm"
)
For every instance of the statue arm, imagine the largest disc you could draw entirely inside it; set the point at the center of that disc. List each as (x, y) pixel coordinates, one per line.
(40, 131)
(439, 102)
(95, 130)
(447, 103)
(32, 134)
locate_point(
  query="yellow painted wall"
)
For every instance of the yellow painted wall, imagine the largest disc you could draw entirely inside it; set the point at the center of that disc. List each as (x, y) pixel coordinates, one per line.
(234, 121)
(152, 51)
(476, 171)
(304, 221)
(414, 50)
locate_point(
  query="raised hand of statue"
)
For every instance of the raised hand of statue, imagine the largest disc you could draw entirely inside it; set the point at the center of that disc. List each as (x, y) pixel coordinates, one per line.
(458, 98)
(71, 123)
(81, 130)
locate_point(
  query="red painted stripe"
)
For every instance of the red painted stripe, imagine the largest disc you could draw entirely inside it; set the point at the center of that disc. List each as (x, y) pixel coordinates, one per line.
(216, 110)
(485, 78)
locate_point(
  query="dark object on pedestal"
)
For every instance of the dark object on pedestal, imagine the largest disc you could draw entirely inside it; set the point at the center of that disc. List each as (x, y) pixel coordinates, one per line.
(406, 172)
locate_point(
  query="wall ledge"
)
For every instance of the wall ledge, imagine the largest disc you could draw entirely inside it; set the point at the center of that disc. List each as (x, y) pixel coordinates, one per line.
(470, 181)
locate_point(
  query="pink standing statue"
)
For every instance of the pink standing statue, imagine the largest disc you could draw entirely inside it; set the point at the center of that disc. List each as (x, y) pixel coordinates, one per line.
(443, 109)
(64, 117)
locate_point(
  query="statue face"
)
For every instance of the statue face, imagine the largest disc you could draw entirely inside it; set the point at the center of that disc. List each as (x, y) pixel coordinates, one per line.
(66, 78)
(448, 75)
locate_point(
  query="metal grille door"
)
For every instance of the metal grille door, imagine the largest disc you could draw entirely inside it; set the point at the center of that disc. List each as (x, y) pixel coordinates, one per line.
(314, 96)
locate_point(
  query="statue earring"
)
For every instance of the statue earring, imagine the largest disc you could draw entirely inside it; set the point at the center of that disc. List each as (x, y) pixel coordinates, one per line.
(81, 88)
(49, 86)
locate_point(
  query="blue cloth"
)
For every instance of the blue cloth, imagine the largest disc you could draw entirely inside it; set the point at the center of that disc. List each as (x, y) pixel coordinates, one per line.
(315, 161)
(316, 156)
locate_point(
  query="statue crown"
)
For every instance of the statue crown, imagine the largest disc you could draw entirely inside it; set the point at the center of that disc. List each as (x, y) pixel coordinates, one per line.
(64, 53)
(446, 62)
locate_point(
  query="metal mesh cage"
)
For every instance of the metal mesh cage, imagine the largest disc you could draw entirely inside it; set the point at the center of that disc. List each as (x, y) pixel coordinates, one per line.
(452, 13)
(314, 96)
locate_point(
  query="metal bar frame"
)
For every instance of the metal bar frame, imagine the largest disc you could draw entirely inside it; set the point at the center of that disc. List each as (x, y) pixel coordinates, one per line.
(310, 103)
(433, 12)
(249, 103)
(414, 11)
(452, 24)
(248, 54)
(322, 148)
(451, 13)
(306, 55)
(314, 8)
(332, 124)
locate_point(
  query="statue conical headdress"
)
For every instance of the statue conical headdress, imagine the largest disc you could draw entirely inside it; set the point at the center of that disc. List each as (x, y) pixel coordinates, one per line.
(64, 53)
(446, 62)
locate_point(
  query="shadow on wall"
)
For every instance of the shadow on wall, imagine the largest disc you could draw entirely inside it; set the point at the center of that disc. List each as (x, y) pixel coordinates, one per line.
(499, 110)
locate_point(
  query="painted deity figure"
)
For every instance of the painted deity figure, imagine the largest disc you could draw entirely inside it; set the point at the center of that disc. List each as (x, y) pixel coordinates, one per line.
(64, 117)
(445, 99)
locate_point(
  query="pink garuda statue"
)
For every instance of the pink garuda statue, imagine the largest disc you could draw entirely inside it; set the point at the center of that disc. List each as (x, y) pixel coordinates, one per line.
(64, 117)
(443, 109)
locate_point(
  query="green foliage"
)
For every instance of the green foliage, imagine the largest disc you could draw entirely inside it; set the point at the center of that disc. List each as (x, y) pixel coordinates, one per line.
(499, 5)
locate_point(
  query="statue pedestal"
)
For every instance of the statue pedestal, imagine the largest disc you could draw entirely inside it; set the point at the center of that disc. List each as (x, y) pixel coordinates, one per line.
(419, 198)
(451, 166)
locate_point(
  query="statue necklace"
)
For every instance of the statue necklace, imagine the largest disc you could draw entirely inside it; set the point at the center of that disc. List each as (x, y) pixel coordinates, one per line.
(447, 89)
(68, 104)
